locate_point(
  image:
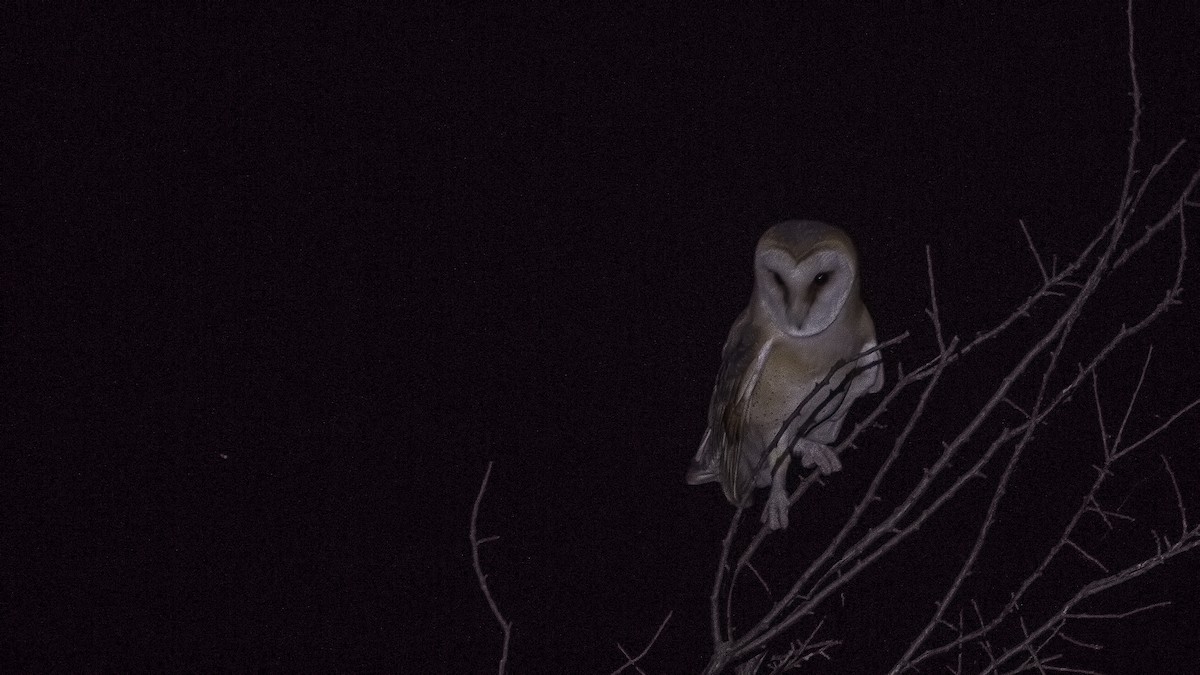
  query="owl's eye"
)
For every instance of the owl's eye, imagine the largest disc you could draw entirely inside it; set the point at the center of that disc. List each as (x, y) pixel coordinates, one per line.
(821, 279)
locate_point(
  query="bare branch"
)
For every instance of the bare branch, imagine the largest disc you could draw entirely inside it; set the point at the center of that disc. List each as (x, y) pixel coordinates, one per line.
(1100, 415)
(1033, 249)
(632, 661)
(933, 305)
(1087, 556)
(1133, 399)
(1136, 125)
(1171, 420)
(1079, 643)
(1119, 615)
(714, 598)
(1175, 211)
(505, 626)
(1051, 626)
(1183, 520)
(761, 580)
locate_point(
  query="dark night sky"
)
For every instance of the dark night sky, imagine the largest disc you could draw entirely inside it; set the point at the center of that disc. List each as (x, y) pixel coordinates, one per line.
(282, 282)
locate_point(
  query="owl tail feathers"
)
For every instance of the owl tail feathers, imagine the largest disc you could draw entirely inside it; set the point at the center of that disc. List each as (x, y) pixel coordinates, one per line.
(704, 467)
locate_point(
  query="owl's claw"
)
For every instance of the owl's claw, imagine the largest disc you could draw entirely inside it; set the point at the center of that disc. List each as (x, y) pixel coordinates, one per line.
(819, 455)
(775, 513)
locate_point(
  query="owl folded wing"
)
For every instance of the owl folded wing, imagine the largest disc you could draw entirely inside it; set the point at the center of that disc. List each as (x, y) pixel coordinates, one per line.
(706, 465)
(719, 457)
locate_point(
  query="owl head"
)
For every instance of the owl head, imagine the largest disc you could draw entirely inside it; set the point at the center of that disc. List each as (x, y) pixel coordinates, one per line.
(804, 274)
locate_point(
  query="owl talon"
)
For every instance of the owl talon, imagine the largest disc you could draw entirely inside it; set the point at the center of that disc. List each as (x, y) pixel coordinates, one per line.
(819, 455)
(775, 513)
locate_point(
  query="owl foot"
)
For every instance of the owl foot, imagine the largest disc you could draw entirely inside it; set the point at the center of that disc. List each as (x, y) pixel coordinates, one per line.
(819, 455)
(775, 513)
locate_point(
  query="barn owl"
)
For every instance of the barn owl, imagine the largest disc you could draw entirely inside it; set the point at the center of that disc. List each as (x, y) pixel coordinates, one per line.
(805, 315)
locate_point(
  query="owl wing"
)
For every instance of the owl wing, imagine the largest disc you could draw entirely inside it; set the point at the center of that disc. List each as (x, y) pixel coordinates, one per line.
(875, 374)
(720, 455)
(876, 368)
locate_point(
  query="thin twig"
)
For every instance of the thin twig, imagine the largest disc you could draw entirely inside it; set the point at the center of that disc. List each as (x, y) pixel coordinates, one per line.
(1183, 520)
(1100, 415)
(1133, 399)
(1033, 250)
(1170, 420)
(933, 304)
(632, 661)
(1119, 615)
(1135, 126)
(505, 626)
(1051, 626)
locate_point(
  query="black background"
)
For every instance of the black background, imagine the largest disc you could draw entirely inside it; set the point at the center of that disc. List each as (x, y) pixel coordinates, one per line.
(283, 281)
